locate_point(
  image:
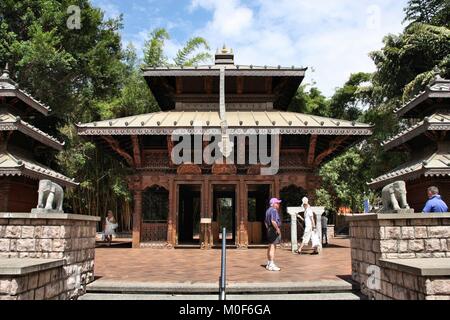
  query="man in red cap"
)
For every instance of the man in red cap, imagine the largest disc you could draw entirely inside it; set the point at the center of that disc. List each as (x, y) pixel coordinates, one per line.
(273, 223)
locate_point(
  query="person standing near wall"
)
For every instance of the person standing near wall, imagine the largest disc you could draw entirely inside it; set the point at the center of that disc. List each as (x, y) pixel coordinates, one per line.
(434, 203)
(324, 222)
(273, 223)
(110, 226)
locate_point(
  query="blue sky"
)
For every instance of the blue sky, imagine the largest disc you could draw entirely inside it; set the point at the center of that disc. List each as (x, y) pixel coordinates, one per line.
(331, 37)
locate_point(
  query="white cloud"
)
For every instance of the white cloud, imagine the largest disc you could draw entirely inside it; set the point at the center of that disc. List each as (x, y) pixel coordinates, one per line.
(333, 37)
(230, 18)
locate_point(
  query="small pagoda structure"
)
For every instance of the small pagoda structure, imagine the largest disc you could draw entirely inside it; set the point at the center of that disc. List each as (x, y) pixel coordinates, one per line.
(22, 147)
(427, 143)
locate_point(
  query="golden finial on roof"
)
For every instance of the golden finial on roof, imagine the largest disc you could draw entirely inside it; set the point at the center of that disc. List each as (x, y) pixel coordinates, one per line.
(225, 49)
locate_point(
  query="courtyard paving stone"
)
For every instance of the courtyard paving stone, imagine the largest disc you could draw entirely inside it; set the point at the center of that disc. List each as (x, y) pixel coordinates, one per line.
(203, 266)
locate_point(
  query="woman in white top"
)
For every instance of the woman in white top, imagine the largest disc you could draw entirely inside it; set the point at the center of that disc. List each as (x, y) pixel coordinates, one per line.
(110, 226)
(310, 225)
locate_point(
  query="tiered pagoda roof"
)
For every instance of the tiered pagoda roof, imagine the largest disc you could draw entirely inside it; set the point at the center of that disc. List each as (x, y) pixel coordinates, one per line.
(10, 90)
(14, 163)
(240, 121)
(9, 122)
(433, 106)
(437, 164)
(192, 100)
(427, 101)
(439, 121)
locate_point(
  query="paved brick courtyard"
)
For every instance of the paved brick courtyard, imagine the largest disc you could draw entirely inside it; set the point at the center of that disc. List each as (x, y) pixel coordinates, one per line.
(195, 265)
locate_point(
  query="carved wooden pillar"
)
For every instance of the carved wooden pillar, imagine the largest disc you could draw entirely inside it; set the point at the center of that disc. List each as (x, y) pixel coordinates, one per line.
(137, 218)
(243, 215)
(206, 238)
(276, 187)
(171, 216)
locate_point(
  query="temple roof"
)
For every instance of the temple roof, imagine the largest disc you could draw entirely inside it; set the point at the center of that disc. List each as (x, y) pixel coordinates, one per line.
(232, 70)
(15, 165)
(439, 121)
(438, 164)
(10, 89)
(171, 85)
(418, 107)
(10, 122)
(243, 122)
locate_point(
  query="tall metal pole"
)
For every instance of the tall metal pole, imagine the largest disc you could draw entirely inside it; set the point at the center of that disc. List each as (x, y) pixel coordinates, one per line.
(223, 266)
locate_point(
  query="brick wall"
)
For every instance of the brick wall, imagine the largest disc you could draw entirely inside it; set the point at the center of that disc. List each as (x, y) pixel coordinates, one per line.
(402, 285)
(46, 284)
(53, 236)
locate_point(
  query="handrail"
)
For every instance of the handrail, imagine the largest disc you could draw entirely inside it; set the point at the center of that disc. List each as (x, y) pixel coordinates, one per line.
(223, 266)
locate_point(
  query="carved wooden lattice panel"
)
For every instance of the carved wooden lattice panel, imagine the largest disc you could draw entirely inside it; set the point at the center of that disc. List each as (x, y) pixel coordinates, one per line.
(156, 159)
(154, 232)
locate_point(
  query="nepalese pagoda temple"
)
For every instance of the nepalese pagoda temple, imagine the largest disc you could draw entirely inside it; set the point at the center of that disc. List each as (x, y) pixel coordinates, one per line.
(427, 143)
(22, 146)
(171, 200)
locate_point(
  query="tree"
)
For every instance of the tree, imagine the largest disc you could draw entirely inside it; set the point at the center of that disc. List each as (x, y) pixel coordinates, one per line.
(183, 55)
(78, 73)
(186, 56)
(435, 12)
(154, 48)
(404, 66)
(343, 181)
(310, 102)
(347, 102)
(62, 67)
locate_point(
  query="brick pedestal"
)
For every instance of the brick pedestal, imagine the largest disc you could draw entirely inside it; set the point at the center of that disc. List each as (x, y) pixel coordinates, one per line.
(53, 236)
(377, 237)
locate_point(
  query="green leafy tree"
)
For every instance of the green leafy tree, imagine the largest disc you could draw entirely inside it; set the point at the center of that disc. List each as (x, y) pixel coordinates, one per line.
(75, 72)
(406, 61)
(188, 55)
(348, 102)
(154, 48)
(435, 12)
(310, 102)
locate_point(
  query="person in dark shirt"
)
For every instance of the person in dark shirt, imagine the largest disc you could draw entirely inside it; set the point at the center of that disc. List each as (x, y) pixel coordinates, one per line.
(434, 203)
(273, 223)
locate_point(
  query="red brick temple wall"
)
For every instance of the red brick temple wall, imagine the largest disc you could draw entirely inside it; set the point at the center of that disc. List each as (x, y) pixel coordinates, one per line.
(18, 194)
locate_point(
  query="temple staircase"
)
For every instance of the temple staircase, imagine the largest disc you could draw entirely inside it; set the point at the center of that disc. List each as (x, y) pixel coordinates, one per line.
(307, 290)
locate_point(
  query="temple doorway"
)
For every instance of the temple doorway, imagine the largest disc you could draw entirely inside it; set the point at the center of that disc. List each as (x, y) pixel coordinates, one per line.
(224, 213)
(258, 196)
(189, 214)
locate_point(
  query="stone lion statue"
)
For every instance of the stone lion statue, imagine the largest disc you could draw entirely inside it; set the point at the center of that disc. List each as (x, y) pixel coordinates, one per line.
(393, 197)
(51, 196)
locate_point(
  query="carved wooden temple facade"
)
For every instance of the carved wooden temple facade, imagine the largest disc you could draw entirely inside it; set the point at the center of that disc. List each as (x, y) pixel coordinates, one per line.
(427, 143)
(170, 200)
(23, 148)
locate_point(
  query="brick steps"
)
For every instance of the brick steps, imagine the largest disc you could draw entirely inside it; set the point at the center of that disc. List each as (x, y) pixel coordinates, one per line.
(294, 296)
(306, 290)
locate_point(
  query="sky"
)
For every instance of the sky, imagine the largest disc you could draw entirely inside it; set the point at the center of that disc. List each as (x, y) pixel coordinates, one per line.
(331, 37)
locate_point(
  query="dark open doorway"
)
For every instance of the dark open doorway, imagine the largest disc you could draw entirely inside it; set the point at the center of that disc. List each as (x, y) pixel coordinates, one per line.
(189, 207)
(258, 201)
(224, 212)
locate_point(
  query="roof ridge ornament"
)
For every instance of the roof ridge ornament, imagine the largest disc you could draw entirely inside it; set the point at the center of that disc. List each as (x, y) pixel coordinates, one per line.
(5, 74)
